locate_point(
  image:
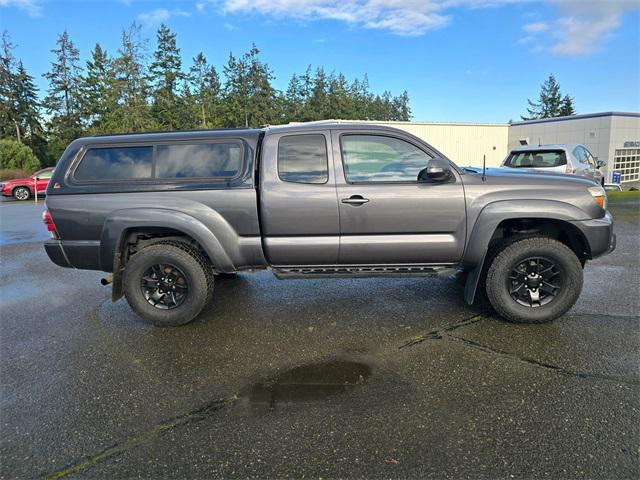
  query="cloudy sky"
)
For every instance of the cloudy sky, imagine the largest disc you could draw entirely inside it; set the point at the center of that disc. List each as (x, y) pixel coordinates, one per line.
(460, 60)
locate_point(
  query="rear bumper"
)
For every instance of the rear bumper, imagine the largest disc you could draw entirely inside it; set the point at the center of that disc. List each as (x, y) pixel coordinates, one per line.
(74, 253)
(56, 253)
(599, 234)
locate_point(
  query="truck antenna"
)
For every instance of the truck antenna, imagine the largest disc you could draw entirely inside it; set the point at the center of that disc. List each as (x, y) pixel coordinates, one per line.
(484, 167)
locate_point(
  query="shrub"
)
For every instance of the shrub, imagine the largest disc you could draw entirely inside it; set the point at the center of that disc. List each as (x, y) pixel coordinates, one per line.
(15, 155)
(12, 174)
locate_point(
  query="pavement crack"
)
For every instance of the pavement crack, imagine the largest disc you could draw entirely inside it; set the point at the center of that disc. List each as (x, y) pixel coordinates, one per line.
(439, 333)
(540, 364)
(196, 415)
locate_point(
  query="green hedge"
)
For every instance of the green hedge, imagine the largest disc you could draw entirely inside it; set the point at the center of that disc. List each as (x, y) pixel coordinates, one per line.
(15, 155)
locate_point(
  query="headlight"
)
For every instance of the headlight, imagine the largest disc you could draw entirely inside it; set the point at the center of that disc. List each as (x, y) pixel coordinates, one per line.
(599, 195)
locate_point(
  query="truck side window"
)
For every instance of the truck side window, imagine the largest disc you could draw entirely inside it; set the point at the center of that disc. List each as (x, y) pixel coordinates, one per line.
(115, 163)
(303, 159)
(376, 158)
(198, 160)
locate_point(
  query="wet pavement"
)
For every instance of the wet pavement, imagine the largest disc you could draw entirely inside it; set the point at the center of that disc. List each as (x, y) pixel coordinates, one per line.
(314, 378)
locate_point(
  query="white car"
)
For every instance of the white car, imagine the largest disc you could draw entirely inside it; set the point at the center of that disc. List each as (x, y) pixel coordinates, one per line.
(573, 159)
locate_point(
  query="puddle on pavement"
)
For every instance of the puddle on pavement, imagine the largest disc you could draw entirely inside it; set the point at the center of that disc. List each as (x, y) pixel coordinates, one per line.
(305, 384)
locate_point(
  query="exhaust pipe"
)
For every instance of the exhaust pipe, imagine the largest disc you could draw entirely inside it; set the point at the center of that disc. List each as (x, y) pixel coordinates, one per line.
(106, 280)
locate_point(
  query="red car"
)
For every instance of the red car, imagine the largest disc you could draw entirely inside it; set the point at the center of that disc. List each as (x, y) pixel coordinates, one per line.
(24, 188)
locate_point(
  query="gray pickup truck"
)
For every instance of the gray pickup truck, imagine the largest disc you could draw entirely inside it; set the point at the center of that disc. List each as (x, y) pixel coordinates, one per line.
(168, 213)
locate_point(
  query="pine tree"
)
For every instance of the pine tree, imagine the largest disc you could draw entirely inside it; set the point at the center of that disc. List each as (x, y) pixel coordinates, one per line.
(63, 100)
(362, 98)
(294, 99)
(340, 102)
(131, 86)
(402, 111)
(249, 98)
(166, 75)
(28, 109)
(262, 104)
(567, 108)
(8, 106)
(205, 84)
(550, 102)
(318, 102)
(98, 97)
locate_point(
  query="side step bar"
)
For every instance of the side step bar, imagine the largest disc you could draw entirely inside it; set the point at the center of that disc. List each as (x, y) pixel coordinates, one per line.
(363, 271)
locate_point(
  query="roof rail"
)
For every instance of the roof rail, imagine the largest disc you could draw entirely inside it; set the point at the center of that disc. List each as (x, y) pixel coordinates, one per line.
(147, 132)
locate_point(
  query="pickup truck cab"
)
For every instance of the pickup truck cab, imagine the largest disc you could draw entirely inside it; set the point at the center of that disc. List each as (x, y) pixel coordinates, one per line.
(167, 213)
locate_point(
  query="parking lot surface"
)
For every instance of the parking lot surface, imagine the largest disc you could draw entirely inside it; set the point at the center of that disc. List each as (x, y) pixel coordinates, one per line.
(314, 378)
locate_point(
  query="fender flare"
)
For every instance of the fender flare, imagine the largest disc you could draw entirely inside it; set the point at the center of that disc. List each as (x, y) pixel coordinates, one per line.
(496, 212)
(119, 222)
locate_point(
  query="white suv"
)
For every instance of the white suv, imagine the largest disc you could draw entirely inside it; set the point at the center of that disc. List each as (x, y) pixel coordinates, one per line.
(567, 158)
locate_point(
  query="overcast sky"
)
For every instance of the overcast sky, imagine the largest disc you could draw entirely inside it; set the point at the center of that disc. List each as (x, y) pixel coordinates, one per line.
(460, 60)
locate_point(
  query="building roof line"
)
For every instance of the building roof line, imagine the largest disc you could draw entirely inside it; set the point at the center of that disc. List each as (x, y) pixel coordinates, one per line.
(578, 117)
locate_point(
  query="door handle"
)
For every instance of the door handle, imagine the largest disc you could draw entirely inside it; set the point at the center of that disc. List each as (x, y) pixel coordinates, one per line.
(355, 200)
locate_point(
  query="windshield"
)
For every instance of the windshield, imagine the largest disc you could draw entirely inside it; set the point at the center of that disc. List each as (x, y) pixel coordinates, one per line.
(536, 159)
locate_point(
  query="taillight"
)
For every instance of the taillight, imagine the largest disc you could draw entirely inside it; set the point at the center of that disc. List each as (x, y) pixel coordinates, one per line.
(48, 221)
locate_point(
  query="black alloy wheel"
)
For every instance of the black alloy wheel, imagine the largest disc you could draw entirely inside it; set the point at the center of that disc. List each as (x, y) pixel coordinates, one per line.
(164, 286)
(535, 282)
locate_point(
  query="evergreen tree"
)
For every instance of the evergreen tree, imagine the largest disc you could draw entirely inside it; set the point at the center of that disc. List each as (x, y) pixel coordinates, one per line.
(402, 111)
(318, 102)
(262, 105)
(550, 102)
(362, 98)
(166, 75)
(9, 126)
(339, 101)
(97, 88)
(28, 109)
(294, 99)
(567, 108)
(205, 85)
(63, 100)
(249, 98)
(131, 86)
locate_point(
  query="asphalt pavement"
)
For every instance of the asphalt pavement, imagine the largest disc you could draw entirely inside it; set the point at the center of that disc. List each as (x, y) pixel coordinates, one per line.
(382, 378)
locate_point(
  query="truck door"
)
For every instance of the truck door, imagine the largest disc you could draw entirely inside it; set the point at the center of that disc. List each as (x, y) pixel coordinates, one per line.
(386, 216)
(298, 205)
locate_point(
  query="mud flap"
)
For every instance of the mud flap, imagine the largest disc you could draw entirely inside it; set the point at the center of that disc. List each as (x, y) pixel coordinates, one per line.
(472, 282)
(116, 286)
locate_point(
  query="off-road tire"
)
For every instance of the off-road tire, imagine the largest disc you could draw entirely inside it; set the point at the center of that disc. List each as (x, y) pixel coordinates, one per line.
(506, 259)
(204, 262)
(189, 261)
(21, 193)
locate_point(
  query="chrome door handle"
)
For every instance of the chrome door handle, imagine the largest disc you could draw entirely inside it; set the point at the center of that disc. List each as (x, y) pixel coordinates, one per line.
(355, 200)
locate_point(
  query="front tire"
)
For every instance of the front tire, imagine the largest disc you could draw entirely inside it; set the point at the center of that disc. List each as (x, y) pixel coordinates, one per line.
(167, 284)
(21, 193)
(534, 280)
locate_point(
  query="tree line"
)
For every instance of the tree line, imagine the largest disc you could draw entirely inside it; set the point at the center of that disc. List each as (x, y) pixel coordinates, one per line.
(132, 91)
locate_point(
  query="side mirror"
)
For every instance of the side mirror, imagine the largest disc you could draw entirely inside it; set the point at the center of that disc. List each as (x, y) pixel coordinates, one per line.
(438, 170)
(600, 163)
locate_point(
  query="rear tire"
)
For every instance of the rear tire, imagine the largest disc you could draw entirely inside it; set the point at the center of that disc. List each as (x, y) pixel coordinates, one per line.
(143, 287)
(520, 265)
(21, 193)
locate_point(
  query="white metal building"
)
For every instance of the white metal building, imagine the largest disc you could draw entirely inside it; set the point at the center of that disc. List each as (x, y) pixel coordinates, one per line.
(610, 136)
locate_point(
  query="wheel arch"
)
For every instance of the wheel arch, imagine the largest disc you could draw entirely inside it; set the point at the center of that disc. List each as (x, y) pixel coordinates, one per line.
(137, 228)
(500, 221)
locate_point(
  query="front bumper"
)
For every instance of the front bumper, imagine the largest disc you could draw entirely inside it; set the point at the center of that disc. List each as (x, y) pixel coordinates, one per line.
(599, 235)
